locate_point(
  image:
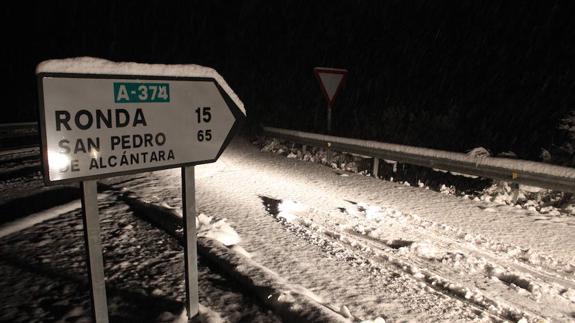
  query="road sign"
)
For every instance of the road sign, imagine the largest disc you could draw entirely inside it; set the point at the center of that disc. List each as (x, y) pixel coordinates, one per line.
(331, 81)
(95, 125)
(99, 118)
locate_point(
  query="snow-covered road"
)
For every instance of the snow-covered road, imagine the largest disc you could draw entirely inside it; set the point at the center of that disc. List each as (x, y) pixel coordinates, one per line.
(366, 248)
(43, 272)
(383, 249)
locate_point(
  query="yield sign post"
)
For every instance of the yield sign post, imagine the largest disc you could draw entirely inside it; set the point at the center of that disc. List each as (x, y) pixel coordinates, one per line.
(331, 81)
(99, 119)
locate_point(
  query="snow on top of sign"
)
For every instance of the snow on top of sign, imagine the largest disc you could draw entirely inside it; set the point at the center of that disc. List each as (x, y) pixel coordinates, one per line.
(92, 65)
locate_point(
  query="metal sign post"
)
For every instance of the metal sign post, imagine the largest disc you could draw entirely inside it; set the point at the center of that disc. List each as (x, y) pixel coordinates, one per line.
(94, 259)
(190, 243)
(329, 152)
(329, 118)
(100, 119)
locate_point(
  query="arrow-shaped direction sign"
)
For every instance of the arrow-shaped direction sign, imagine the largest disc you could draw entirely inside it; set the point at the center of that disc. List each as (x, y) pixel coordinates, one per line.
(331, 81)
(100, 118)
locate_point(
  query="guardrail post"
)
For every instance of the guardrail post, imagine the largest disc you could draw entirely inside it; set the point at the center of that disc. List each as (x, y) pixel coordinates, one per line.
(514, 192)
(375, 171)
(304, 149)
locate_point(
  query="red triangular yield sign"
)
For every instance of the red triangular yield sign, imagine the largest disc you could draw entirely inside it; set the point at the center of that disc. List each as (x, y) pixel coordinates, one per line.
(331, 81)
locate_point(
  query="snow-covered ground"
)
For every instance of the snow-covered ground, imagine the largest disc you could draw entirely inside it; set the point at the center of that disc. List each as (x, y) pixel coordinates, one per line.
(44, 275)
(535, 199)
(363, 248)
(383, 249)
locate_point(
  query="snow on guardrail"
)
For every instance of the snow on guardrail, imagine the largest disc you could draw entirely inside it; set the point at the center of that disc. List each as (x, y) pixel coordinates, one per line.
(520, 171)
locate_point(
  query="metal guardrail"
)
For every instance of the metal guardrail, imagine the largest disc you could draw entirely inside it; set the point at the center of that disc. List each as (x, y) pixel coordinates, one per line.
(18, 135)
(19, 125)
(513, 170)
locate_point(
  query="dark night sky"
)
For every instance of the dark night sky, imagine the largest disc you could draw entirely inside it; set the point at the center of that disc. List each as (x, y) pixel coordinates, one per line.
(441, 74)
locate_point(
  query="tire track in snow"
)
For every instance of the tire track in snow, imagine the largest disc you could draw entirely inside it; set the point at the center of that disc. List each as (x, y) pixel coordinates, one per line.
(375, 254)
(386, 293)
(514, 267)
(504, 290)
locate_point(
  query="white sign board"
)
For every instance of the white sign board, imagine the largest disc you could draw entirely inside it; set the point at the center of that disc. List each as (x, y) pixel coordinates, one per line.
(331, 81)
(95, 125)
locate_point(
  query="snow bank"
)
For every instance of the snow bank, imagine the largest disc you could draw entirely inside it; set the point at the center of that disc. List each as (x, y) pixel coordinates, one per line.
(26, 222)
(205, 315)
(289, 210)
(92, 65)
(532, 198)
(218, 230)
(418, 153)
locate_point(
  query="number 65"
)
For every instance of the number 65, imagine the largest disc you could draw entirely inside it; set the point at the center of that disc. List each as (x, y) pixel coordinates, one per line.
(205, 135)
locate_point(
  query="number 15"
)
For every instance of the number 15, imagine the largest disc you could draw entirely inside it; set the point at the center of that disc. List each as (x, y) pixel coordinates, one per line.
(204, 114)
